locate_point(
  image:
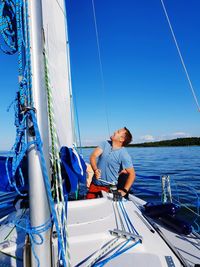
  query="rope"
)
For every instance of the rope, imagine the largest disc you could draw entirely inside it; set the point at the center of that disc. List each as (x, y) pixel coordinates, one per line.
(125, 214)
(78, 125)
(57, 177)
(7, 27)
(101, 69)
(27, 72)
(180, 56)
(35, 233)
(48, 189)
(117, 253)
(177, 198)
(103, 252)
(120, 218)
(113, 203)
(54, 140)
(20, 147)
(23, 213)
(197, 214)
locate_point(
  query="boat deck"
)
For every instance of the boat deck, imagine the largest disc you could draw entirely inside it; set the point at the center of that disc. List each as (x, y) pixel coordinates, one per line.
(90, 223)
(115, 233)
(188, 246)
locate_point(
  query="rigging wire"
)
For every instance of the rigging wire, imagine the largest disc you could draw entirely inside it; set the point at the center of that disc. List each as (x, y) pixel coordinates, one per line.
(180, 56)
(101, 68)
(79, 143)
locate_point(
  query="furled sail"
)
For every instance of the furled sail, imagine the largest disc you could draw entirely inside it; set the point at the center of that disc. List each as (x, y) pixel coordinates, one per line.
(56, 43)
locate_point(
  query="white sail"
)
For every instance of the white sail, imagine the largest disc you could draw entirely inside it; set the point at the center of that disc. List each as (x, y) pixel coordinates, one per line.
(56, 42)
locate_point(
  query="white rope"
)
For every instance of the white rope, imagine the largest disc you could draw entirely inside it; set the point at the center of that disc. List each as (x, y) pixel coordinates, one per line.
(101, 68)
(102, 251)
(180, 55)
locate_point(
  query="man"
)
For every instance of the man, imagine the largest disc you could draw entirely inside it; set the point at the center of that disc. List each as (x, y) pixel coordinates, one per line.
(109, 161)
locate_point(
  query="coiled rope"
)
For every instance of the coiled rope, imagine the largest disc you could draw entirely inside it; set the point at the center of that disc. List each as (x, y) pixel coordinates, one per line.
(35, 233)
(8, 27)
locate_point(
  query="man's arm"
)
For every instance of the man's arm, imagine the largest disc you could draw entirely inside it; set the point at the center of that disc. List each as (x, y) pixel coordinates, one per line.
(130, 180)
(93, 161)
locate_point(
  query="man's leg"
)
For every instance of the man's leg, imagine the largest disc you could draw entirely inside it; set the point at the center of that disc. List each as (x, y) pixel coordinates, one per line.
(95, 191)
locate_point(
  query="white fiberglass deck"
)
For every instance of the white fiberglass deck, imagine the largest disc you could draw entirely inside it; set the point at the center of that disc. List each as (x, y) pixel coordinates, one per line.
(90, 223)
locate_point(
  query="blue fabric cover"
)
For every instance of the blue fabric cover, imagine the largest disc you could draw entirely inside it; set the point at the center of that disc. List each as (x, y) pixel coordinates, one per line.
(71, 166)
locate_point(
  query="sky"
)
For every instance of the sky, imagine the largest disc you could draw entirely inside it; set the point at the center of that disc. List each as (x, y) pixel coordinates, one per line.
(145, 87)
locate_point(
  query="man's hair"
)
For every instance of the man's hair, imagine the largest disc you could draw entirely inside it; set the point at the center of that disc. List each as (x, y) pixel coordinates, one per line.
(128, 137)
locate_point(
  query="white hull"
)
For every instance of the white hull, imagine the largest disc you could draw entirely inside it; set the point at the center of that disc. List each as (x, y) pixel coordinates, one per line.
(89, 226)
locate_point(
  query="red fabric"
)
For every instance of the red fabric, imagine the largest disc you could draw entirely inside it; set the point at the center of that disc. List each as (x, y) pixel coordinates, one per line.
(95, 191)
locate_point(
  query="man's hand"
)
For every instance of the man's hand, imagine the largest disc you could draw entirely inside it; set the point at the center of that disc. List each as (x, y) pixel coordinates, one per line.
(97, 173)
(122, 192)
(93, 161)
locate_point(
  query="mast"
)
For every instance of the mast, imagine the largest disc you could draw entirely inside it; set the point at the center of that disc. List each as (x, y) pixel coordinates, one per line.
(48, 29)
(39, 206)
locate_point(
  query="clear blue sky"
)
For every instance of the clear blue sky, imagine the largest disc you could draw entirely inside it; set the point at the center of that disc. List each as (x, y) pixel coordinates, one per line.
(145, 86)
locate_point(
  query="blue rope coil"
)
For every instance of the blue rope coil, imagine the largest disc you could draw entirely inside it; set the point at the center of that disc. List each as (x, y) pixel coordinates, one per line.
(8, 27)
(35, 233)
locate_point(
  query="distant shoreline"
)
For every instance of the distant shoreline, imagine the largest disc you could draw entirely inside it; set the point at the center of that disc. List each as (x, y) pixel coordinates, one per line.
(189, 141)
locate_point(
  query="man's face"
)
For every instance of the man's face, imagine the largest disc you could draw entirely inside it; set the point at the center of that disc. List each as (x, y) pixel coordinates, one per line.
(118, 135)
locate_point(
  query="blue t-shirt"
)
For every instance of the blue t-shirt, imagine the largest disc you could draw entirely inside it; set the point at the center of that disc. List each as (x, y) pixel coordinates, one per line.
(111, 162)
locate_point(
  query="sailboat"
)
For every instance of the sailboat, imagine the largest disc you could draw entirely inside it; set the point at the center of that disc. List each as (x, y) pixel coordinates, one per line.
(49, 230)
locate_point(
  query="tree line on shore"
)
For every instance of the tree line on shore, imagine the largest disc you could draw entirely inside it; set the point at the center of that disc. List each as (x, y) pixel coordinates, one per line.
(189, 141)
